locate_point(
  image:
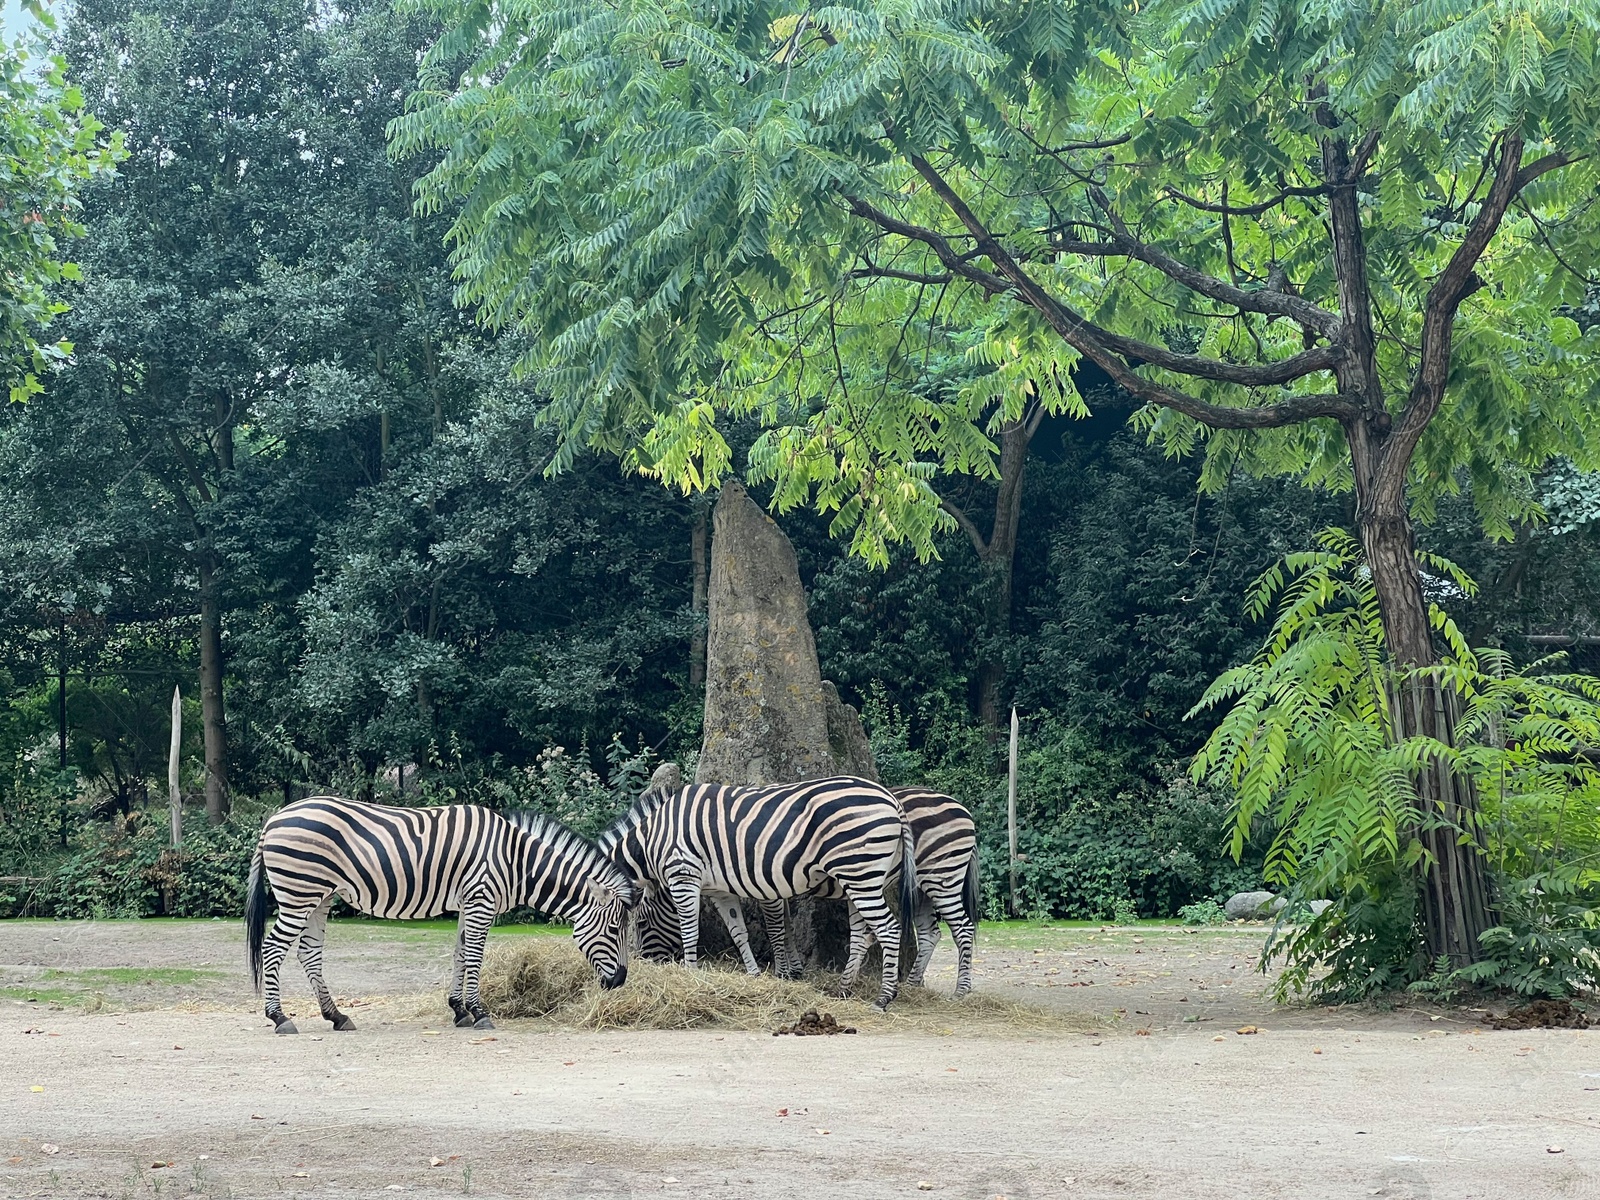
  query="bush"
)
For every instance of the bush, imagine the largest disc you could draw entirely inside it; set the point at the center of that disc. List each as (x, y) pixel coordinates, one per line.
(1203, 912)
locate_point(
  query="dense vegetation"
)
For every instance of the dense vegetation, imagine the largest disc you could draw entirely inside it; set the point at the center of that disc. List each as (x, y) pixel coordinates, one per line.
(394, 547)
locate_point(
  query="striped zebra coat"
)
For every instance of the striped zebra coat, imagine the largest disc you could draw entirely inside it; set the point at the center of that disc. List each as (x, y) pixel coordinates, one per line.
(767, 844)
(945, 848)
(406, 863)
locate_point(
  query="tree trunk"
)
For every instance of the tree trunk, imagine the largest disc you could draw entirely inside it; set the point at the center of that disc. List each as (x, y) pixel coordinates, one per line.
(999, 562)
(213, 723)
(1456, 905)
(698, 564)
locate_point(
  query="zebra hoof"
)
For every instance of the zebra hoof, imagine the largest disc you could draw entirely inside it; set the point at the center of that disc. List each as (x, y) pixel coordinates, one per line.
(344, 1025)
(483, 1023)
(285, 1026)
(464, 1021)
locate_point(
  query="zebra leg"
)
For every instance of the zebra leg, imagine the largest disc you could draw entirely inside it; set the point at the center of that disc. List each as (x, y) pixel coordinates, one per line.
(860, 943)
(310, 954)
(927, 921)
(962, 930)
(456, 964)
(283, 934)
(885, 926)
(786, 962)
(685, 889)
(732, 913)
(475, 921)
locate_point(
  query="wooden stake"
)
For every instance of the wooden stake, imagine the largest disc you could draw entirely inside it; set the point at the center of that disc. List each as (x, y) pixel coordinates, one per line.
(1011, 811)
(173, 794)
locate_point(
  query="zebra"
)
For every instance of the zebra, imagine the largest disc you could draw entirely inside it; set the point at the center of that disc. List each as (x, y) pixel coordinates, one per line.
(405, 863)
(767, 844)
(946, 855)
(945, 841)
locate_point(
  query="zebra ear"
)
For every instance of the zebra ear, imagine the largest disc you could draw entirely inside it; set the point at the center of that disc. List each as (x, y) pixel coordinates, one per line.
(596, 892)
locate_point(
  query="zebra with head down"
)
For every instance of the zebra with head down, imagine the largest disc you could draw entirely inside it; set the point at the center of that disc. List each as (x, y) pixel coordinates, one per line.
(767, 844)
(406, 863)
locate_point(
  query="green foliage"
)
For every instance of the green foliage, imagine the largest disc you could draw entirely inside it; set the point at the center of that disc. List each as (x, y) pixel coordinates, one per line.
(50, 145)
(1203, 912)
(1547, 945)
(1309, 747)
(875, 229)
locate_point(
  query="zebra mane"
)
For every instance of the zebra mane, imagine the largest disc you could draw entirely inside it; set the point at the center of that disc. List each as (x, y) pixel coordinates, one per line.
(569, 842)
(636, 815)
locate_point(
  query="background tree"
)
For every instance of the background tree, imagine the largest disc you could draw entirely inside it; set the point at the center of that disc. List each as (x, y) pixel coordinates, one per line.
(1333, 241)
(50, 146)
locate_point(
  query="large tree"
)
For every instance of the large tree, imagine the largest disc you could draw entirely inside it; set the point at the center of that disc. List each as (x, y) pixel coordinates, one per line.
(261, 317)
(1336, 240)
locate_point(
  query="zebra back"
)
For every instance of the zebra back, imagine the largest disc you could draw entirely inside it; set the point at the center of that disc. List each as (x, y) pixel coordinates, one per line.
(763, 842)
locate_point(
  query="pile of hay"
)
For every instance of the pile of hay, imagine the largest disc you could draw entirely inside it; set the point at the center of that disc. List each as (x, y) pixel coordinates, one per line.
(545, 978)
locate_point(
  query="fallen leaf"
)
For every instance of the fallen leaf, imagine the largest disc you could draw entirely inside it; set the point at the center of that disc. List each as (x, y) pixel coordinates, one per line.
(1552, 1149)
(176, 1046)
(1219, 1038)
(669, 1179)
(15, 1158)
(482, 1040)
(783, 1112)
(257, 1117)
(38, 1087)
(1316, 1050)
(436, 1161)
(395, 1187)
(1142, 1032)
(1247, 1029)
(49, 1148)
(924, 1186)
(301, 1175)
(569, 1064)
(430, 1033)
(952, 1070)
(824, 1132)
(156, 1166)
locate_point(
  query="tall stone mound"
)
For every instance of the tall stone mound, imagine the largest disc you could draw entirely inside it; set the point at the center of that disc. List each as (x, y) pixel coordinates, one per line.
(765, 716)
(847, 740)
(769, 716)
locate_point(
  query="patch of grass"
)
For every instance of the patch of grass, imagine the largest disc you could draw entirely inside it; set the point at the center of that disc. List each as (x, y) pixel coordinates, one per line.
(136, 976)
(42, 995)
(553, 981)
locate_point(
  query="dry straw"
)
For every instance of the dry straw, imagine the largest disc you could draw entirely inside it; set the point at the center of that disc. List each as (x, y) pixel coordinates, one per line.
(547, 979)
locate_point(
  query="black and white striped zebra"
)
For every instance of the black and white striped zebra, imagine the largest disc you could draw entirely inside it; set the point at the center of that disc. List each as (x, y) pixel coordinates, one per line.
(406, 863)
(767, 844)
(945, 849)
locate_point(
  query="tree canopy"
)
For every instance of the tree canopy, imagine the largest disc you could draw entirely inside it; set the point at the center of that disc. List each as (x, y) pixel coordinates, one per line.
(1261, 219)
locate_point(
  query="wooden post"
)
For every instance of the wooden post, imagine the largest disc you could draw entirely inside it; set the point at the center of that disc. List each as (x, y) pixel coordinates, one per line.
(174, 796)
(1011, 811)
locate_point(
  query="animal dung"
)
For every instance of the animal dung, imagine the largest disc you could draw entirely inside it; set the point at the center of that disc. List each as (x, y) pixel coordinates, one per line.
(813, 1024)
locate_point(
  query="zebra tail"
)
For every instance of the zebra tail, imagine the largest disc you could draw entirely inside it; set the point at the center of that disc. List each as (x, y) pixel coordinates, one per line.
(908, 881)
(255, 918)
(971, 896)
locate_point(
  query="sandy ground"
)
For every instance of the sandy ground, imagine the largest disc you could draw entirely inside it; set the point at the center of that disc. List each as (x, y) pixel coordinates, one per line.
(176, 1067)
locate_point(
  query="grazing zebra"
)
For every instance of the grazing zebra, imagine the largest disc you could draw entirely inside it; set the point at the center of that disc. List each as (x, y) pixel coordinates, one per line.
(767, 844)
(945, 841)
(406, 863)
(946, 854)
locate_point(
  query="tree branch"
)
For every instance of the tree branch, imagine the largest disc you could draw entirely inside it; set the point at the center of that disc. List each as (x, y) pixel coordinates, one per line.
(1015, 279)
(979, 543)
(1452, 286)
(1246, 210)
(891, 273)
(1276, 304)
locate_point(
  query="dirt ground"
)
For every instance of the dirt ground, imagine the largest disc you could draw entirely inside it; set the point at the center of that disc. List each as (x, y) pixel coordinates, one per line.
(134, 1062)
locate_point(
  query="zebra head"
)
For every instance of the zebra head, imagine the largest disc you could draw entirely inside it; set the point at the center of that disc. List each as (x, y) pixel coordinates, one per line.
(657, 937)
(600, 926)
